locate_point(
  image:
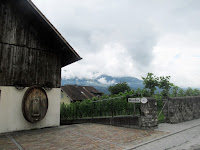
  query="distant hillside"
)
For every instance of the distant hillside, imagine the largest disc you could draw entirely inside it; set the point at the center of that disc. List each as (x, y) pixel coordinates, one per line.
(102, 82)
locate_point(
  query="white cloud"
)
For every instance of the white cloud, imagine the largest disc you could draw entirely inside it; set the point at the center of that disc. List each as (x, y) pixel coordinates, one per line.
(104, 81)
(110, 59)
(130, 37)
(175, 55)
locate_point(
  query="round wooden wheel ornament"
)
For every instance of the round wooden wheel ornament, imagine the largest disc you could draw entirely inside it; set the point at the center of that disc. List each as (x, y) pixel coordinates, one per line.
(34, 104)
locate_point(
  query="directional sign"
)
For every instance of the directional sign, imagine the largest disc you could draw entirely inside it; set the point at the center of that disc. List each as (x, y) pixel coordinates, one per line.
(138, 100)
(134, 100)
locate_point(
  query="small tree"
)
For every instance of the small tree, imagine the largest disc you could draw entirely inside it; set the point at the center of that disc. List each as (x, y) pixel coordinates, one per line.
(189, 92)
(196, 92)
(119, 87)
(175, 91)
(165, 85)
(150, 83)
(181, 93)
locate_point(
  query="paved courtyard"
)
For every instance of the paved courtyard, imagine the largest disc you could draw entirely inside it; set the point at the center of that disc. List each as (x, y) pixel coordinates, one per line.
(78, 137)
(182, 136)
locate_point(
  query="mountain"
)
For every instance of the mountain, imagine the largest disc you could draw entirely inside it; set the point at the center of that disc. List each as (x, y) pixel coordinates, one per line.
(102, 82)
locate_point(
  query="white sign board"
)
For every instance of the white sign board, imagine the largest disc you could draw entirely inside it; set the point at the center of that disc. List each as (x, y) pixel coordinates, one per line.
(134, 100)
(144, 100)
(138, 100)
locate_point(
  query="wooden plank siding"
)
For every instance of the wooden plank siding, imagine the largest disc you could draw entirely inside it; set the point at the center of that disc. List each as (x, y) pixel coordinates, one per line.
(28, 66)
(28, 51)
(18, 28)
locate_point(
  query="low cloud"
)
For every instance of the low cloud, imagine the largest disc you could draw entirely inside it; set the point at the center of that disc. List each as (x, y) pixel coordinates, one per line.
(104, 81)
(130, 37)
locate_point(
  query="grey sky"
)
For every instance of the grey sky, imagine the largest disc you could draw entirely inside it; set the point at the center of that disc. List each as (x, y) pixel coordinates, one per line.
(130, 37)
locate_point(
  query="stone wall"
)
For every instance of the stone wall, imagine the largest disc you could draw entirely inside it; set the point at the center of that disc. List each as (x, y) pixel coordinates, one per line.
(182, 109)
(123, 121)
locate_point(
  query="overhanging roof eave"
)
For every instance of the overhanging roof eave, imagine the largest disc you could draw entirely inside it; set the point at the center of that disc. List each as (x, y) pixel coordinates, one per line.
(68, 46)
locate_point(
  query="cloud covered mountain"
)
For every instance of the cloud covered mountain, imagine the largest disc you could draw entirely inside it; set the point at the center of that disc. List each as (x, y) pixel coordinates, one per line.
(102, 82)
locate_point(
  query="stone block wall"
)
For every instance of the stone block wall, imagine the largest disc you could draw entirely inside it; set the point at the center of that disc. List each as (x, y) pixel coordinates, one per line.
(182, 109)
(125, 121)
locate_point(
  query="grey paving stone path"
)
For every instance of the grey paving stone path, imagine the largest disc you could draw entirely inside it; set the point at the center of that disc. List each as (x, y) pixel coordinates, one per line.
(78, 137)
(183, 136)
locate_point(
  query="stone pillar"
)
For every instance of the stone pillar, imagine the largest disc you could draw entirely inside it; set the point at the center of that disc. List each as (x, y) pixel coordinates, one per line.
(149, 118)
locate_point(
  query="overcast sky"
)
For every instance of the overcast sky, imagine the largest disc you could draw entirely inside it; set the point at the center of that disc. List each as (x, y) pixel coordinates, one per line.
(130, 37)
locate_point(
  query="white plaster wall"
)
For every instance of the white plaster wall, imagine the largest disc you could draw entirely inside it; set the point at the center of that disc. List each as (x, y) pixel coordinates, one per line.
(11, 116)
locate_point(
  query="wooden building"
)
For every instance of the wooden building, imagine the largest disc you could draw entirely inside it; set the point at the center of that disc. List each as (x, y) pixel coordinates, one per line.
(32, 53)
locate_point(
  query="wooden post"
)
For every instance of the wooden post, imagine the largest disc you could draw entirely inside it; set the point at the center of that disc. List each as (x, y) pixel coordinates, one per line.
(112, 108)
(92, 111)
(134, 110)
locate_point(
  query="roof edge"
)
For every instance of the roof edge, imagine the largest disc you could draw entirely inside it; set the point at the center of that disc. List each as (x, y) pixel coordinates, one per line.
(53, 28)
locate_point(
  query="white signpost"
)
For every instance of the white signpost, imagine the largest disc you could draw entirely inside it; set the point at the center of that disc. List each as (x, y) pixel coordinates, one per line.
(138, 100)
(134, 100)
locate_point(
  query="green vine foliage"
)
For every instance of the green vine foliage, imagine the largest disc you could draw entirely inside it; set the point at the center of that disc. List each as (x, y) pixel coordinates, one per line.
(113, 105)
(116, 104)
